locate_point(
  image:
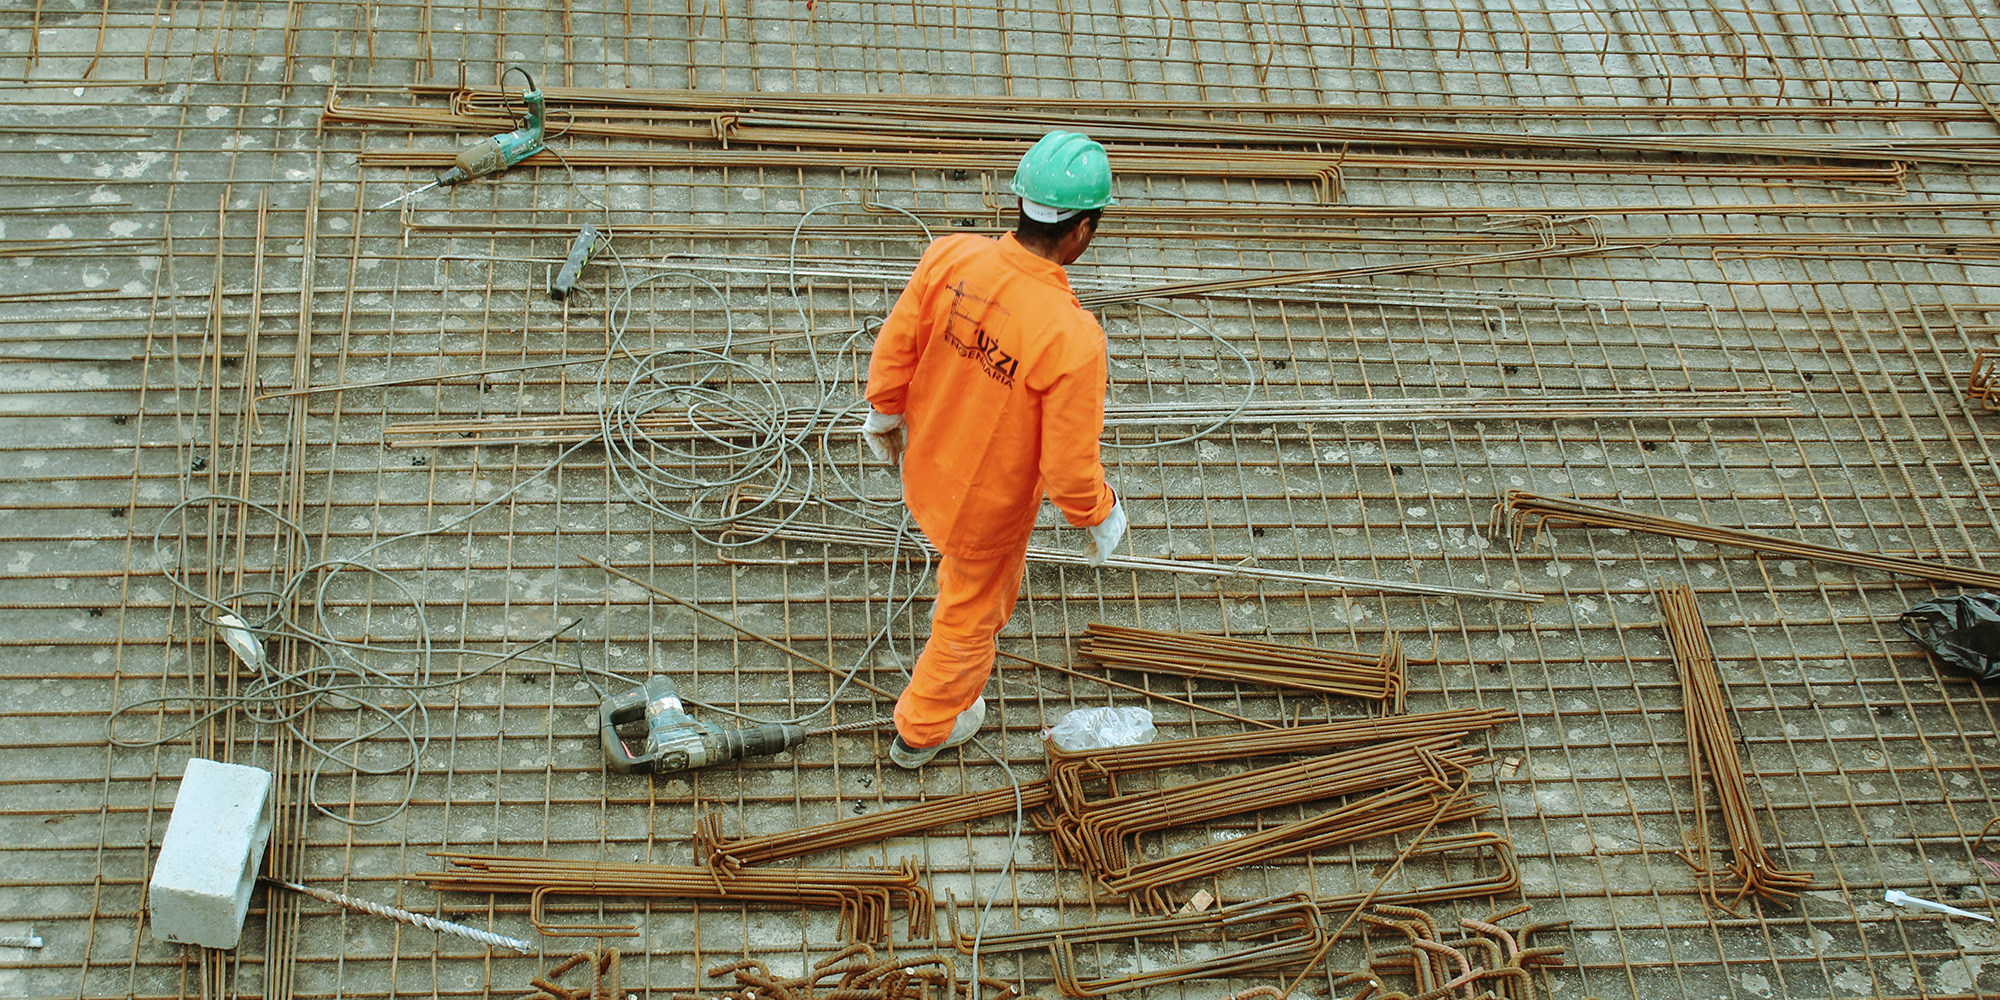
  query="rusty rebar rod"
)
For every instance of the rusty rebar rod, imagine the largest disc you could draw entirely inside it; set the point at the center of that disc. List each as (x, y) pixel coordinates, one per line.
(719, 851)
(692, 425)
(726, 113)
(1302, 668)
(792, 140)
(1135, 689)
(1070, 772)
(1404, 808)
(832, 534)
(1523, 514)
(1097, 834)
(1269, 934)
(738, 626)
(864, 897)
(1712, 753)
(854, 973)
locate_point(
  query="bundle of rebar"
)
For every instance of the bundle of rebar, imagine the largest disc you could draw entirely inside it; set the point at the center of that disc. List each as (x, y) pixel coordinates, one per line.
(870, 122)
(1249, 661)
(854, 973)
(603, 969)
(1484, 846)
(1070, 772)
(863, 896)
(1270, 934)
(718, 851)
(1712, 753)
(1100, 837)
(1504, 880)
(1401, 809)
(1526, 514)
(1979, 385)
(1495, 961)
(793, 139)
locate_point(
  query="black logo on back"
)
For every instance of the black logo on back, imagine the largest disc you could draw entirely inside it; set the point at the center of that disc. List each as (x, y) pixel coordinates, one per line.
(999, 364)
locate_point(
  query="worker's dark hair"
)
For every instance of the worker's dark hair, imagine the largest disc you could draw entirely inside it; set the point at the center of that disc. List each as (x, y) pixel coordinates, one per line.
(1045, 234)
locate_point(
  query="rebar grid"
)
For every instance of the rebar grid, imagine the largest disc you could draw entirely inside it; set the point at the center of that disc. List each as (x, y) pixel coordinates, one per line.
(185, 226)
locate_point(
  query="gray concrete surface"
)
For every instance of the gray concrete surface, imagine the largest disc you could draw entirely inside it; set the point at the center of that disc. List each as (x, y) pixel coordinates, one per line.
(169, 188)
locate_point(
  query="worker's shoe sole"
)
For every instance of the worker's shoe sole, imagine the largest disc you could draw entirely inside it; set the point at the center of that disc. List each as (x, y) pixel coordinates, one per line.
(964, 728)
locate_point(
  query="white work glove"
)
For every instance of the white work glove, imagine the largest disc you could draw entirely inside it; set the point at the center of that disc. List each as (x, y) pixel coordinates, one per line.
(1104, 537)
(884, 434)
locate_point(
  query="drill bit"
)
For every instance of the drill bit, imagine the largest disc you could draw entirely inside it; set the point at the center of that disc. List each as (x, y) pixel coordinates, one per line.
(418, 919)
(408, 194)
(848, 727)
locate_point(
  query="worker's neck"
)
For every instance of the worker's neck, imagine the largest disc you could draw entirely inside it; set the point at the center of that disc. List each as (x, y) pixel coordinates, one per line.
(1064, 250)
(1049, 252)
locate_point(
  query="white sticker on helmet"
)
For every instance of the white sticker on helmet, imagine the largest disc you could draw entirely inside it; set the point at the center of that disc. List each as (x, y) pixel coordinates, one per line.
(1046, 213)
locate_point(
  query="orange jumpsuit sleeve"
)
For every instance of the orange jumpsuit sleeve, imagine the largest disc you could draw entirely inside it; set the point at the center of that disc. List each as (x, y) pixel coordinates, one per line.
(899, 345)
(1072, 418)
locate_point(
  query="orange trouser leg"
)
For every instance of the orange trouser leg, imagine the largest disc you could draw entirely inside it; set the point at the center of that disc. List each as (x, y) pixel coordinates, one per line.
(975, 597)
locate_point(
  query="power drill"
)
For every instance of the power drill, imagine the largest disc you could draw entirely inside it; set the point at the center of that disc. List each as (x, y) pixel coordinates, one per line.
(495, 152)
(674, 740)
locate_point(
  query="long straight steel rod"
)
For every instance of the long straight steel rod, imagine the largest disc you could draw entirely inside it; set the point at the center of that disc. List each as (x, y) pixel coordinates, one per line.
(721, 852)
(1306, 668)
(791, 142)
(1397, 810)
(569, 428)
(878, 538)
(1183, 289)
(986, 105)
(1527, 512)
(732, 623)
(736, 105)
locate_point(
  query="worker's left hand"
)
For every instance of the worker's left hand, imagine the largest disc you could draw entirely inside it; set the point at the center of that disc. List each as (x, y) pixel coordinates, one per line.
(884, 434)
(1104, 537)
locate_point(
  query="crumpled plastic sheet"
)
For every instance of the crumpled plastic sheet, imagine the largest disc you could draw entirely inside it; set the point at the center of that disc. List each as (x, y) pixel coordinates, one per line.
(1098, 728)
(1963, 631)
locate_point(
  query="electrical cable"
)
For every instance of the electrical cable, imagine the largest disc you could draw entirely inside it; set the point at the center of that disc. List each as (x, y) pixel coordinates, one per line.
(342, 679)
(1013, 849)
(524, 75)
(1249, 389)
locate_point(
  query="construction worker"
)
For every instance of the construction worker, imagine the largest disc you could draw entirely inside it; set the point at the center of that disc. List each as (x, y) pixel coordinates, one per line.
(997, 374)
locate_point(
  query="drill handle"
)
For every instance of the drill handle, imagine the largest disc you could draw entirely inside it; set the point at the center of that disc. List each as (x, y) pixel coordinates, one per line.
(525, 141)
(615, 711)
(537, 113)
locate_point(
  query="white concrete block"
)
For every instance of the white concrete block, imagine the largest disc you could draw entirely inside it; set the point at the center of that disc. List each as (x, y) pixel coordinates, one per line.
(209, 857)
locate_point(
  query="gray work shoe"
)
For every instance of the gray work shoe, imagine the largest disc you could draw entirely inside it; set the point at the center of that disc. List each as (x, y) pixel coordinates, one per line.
(964, 728)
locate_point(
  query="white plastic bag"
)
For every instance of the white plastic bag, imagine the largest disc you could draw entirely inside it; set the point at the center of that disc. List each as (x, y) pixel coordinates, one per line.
(1097, 728)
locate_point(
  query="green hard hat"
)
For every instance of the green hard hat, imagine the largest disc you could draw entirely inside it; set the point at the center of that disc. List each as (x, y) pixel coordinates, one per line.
(1065, 170)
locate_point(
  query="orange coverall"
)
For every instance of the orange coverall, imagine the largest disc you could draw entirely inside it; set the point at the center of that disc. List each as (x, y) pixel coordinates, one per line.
(1000, 375)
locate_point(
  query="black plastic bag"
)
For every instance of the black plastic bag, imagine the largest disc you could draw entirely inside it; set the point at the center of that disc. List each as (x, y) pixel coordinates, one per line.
(1963, 631)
